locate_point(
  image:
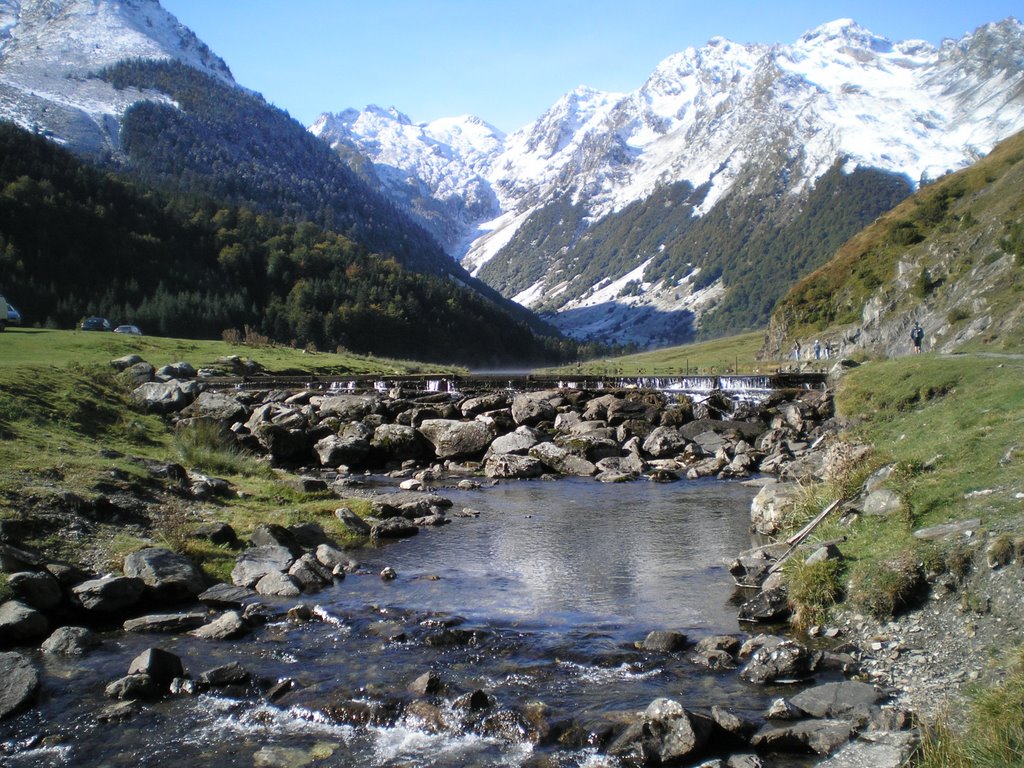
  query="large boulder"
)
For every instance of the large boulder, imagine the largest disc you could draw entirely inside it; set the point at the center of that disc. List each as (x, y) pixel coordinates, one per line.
(492, 401)
(513, 466)
(820, 736)
(256, 562)
(71, 641)
(456, 439)
(520, 441)
(108, 594)
(771, 505)
(168, 576)
(20, 623)
(165, 396)
(667, 734)
(845, 699)
(162, 666)
(338, 450)
(664, 442)
(531, 408)
(346, 407)
(283, 443)
(397, 442)
(218, 406)
(39, 589)
(19, 683)
(779, 661)
(561, 461)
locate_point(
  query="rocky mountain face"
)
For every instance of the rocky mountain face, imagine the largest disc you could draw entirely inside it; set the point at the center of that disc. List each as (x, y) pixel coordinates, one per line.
(52, 50)
(747, 128)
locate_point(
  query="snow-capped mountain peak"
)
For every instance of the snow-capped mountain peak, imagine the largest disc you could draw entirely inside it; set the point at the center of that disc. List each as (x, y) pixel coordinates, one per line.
(726, 119)
(52, 50)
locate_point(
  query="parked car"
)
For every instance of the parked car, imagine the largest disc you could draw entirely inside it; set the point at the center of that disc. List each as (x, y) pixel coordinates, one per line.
(3, 313)
(132, 329)
(13, 315)
(96, 324)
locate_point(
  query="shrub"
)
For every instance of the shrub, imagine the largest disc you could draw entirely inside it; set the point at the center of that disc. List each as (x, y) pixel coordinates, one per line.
(889, 587)
(813, 589)
(209, 447)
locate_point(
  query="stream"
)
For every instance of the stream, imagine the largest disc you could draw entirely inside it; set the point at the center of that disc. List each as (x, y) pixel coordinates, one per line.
(538, 601)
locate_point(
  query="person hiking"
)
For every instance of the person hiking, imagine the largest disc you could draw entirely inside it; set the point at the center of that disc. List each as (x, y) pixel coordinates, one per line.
(917, 336)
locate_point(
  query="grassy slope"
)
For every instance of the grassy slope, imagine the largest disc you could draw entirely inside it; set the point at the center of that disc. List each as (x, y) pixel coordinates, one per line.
(67, 426)
(30, 346)
(948, 228)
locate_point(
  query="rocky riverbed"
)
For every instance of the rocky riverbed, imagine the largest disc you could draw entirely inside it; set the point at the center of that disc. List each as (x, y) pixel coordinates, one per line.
(427, 442)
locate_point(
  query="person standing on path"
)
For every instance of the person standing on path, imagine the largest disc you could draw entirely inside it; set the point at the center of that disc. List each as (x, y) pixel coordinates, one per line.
(916, 336)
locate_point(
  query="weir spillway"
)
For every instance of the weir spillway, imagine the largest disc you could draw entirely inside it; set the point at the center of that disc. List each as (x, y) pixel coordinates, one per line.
(735, 386)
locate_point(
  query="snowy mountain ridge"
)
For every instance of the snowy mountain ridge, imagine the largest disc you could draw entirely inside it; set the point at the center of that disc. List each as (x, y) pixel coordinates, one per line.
(51, 51)
(717, 117)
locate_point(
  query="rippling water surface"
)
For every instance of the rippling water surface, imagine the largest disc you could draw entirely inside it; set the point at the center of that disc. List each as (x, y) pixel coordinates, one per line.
(549, 587)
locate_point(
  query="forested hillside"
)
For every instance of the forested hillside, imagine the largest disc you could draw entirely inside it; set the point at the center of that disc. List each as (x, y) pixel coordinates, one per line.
(76, 241)
(755, 243)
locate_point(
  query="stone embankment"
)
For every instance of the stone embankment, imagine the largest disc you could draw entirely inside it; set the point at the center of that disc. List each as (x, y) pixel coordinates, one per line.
(429, 441)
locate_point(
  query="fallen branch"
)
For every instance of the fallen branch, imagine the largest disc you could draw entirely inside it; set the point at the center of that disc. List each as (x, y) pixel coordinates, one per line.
(797, 539)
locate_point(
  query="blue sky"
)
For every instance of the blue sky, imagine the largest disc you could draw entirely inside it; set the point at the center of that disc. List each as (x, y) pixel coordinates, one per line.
(507, 61)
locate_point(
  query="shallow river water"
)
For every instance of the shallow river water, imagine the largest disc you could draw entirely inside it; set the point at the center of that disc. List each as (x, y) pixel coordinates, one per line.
(555, 580)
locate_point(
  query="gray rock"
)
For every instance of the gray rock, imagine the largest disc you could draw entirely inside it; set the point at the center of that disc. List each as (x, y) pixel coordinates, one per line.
(666, 734)
(771, 505)
(820, 736)
(256, 562)
(397, 442)
(165, 622)
(232, 673)
(346, 407)
(121, 363)
(456, 439)
(165, 396)
(133, 688)
(219, 533)
(217, 405)
(490, 402)
(19, 683)
(283, 443)
(332, 557)
(274, 535)
(138, 373)
(276, 584)
(167, 575)
(663, 641)
(71, 641)
(780, 663)
(561, 461)
(740, 728)
(427, 684)
(519, 442)
(178, 370)
(664, 442)
(393, 528)
(352, 521)
(837, 700)
(108, 594)
(938, 532)
(512, 466)
(531, 408)
(163, 666)
(37, 589)
(885, 749)
(340, 450)
(227, 596)
(767, 606)
(227, 626)
(883, 503)
(309, 573)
